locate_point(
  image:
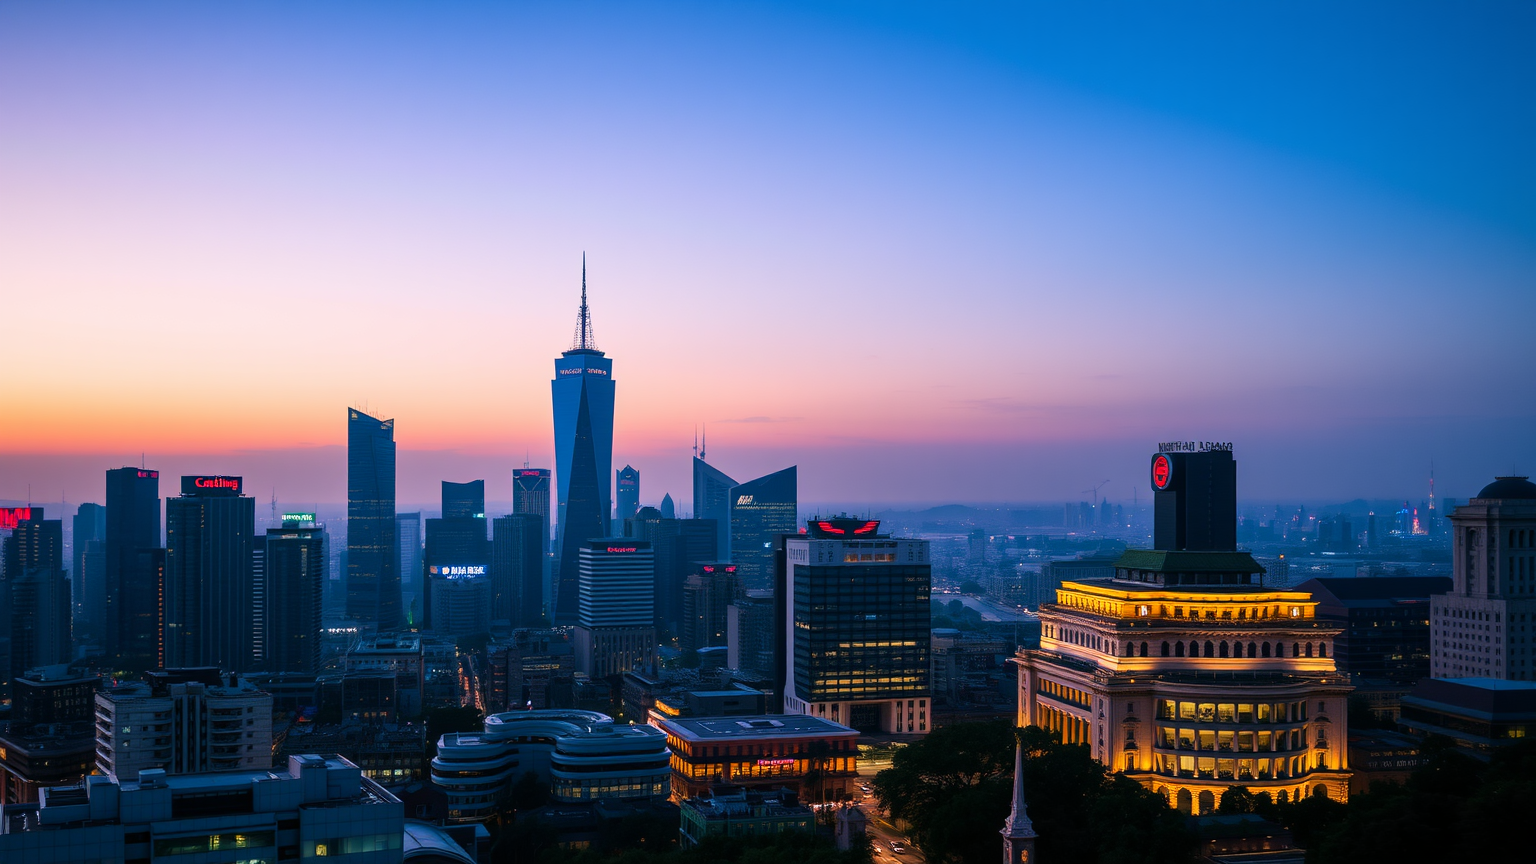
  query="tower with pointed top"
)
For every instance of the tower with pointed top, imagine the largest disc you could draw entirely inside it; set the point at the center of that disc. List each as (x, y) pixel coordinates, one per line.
(1018, 832)
(583, 394)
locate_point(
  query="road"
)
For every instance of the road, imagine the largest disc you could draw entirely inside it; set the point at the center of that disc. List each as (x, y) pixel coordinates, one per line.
(882, 832)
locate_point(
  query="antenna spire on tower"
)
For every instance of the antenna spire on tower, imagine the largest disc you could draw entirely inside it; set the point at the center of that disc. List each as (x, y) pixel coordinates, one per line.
(704, 446)
(584, 340)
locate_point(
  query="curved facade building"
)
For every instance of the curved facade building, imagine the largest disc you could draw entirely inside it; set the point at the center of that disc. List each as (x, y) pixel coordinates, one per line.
(581, 754)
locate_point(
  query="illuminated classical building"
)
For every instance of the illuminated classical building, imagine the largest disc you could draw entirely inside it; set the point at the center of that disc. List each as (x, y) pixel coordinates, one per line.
(1184, 671)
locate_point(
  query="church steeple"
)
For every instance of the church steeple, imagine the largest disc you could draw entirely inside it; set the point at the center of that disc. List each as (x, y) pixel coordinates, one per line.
(1018, 832)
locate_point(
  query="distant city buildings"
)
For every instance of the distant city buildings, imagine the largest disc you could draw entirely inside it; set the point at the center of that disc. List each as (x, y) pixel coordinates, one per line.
(1182, 671)
(372, 582)
(412, 576)
(854, 647)
(88, 526)
(627, 491)
(1480, 627)
(707, 595)
(582, 393)
(208, 591)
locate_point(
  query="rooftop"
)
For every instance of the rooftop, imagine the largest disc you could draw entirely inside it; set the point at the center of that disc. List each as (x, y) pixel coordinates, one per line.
(1156, 561)
(753, 727)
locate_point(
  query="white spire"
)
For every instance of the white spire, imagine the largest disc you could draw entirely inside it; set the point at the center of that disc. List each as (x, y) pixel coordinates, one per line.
(1018, 826)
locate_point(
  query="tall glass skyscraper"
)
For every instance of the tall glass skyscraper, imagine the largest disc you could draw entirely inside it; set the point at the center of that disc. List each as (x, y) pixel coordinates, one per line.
(408, 536)
(131, 609)
(90, 523)
(712, 500)
(373, 576)
(582, 391)
(209, 617)
(761, 510)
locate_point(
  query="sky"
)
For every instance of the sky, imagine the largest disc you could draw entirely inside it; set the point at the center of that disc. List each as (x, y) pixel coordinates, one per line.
(927, 252)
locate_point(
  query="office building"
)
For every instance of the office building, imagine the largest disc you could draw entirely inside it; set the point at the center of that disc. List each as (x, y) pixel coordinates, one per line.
(1480, 629)
(712, 500)
(583, 393)
(749, 634)
(678, 546)
(1194, 497)
(667, 508)
(517, 569)
(761, 510)
(316, 808)
(627, 491)
(855, 638)
(288, 600)
(614, 630)
(580, 756)
(208, 582)
(35, 595)
(711, 589)
(183, 721)
(530, 495)
(731, 811)
(400, 655)
(132, 610)
(457, 559)
(1185, 672)
(533, 670)
(92, 603)
(816, 757)
(412, 586)
(366, 698)
(373, 582)
(50, 739)
(88, 526)
(1385, 620)
(1479, 714)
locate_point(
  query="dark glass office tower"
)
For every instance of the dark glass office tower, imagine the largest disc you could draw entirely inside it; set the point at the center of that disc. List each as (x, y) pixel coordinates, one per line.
(1194, 491)
(517, 569)
(131, 602)
(583, 392)
(295, 565)
(628, 486)
(373, 577)
(208, 591)
(761, 510)
(37, 596)
(408, 535)
(712, 500)
(679, 545)
(456, 545)
(464, 500)
(90, 523)
(530, 494)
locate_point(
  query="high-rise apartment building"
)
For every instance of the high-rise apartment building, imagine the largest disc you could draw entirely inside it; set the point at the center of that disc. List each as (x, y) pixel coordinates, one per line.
(1480, 629)
(854, 646)
(34, 595)
(712, 500)
(373, 580)
(132, 609)
(408, 536)
(1183, 670)
(89, 525)
(614, 627)
(183, 721)
(208, 582)
(288, 604)
(583, 392)
(627, 486)
(760, 511)
(517, 569)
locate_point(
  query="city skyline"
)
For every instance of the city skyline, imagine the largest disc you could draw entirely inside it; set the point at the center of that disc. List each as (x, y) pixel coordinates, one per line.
(1059, 251)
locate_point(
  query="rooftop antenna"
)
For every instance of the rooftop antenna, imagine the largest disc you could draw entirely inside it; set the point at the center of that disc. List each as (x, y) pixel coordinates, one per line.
(695, 440)
(584, 340)
(705, 445)
(274, 505)
(1431, 485)
(141, 460)
(527, 457)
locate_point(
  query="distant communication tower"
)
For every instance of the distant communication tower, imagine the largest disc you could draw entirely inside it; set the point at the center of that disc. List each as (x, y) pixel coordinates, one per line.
(583, 340)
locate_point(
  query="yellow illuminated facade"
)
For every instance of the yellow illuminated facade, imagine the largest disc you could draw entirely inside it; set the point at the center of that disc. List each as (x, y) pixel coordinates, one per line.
(1190, 680)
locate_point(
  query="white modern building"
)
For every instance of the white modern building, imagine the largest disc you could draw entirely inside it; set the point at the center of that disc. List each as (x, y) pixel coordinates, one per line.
(183, 721)
(318, 808)
(580, 755)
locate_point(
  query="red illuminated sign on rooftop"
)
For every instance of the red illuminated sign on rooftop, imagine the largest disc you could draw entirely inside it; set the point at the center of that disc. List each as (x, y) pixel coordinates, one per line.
(622, 549)
(202, 485)
(10, 517)
(1162, 471)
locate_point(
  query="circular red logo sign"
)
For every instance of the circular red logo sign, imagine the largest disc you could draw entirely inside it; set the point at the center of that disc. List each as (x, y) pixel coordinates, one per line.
(1162, 471)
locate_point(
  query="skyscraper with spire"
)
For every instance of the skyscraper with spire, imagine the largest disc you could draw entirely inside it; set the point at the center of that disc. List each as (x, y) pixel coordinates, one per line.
(582, 391)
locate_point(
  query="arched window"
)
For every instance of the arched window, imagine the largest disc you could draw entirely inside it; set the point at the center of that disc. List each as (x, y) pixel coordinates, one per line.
(1130, 649)
(1224, 649)
(1282, 796)
(1207, 802)
(1178, 648)
(1253, 650)
(1143, 649)
(1210, 649)
(1295, 649)
(1309, 649)
(1184, 800)
(1265, 649)
(1322, 649)
(1166, 650)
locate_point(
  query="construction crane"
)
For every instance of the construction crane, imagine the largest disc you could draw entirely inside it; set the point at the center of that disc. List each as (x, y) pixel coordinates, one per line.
(1095, 493)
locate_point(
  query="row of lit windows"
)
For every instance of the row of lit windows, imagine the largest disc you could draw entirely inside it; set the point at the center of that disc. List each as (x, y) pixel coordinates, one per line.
(1262, 741)
(1223, 612)
(1205, 767)
(1070, 695)
(1234, 712)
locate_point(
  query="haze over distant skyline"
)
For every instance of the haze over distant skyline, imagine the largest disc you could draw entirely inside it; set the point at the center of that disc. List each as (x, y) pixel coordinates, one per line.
(980, 253)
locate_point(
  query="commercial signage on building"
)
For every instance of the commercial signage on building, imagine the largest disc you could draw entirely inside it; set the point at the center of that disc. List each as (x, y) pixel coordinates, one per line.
(1194, 446)
(729, 568)
(456, 571)
(622, 549)
(298, 517)
(531, 472)
(1162, 471)
(770, 763)
(203, 485)
(10, 517)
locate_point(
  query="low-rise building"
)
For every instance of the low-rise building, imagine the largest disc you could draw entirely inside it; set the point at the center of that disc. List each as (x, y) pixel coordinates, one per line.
(183, 721)
(1479, 714)
(319, 807)
(50, 740)
(816, 757)
(732, 811)
(401, 655)
(392, 756)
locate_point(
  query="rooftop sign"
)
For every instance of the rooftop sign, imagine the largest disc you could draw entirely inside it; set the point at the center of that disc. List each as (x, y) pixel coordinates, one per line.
(1194, 446)
(216, 485)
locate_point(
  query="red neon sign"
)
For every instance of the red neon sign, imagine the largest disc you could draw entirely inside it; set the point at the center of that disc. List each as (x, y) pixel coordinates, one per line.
(622, 549)
(534, 473)
(1162, 471)
(830, 528)
(866, 528)
(10, 517)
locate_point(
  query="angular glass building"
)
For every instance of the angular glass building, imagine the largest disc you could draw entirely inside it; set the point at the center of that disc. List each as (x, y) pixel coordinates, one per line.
(373, 576)
(761, 510)
(712, 500)
(582, 391)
